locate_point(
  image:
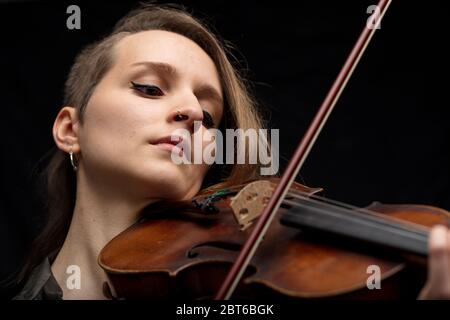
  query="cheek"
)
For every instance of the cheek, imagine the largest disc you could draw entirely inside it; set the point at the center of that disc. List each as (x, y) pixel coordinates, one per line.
(118, 119)
(107, 130)
(111, 130)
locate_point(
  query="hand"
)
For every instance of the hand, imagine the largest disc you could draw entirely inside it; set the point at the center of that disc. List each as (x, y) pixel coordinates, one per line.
(438, 282)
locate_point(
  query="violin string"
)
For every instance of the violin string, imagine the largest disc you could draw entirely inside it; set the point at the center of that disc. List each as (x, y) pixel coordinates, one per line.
(359, 212)
(304, 196)
(362, 212)
(383, 228)
(377, 225)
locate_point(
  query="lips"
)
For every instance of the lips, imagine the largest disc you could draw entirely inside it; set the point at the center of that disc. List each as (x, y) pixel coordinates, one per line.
(170, 140)
(170, 143)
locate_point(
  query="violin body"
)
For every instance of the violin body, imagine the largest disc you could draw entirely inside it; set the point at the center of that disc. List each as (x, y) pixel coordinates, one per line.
(183, 250)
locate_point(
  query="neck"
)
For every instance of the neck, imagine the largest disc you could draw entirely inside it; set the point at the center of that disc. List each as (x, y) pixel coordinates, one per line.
(97, 218)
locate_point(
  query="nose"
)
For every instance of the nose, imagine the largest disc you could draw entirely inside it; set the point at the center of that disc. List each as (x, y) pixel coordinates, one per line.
(188, 114)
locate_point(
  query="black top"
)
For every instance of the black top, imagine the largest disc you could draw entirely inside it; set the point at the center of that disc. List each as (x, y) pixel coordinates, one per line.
(41, 285)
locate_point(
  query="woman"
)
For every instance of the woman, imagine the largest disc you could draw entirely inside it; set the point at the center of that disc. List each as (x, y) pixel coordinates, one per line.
(158, 71)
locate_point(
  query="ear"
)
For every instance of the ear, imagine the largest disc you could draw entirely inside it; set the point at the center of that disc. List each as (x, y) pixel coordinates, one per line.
(65, 130)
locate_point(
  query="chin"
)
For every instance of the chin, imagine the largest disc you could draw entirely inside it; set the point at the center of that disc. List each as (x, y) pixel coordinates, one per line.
(180, 191)
(168, 180)
(176, 194)
(170, 185)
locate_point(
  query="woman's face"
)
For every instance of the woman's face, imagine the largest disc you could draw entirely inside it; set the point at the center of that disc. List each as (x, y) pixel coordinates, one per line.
(123, 121)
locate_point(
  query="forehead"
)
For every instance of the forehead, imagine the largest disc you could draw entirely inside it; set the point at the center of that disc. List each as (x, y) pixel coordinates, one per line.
(167, 47)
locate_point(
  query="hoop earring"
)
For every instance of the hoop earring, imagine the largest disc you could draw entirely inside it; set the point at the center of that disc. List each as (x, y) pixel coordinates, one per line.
(72, 161)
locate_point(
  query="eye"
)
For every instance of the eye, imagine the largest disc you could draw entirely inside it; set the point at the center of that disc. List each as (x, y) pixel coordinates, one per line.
(207, 119)
(147, 89)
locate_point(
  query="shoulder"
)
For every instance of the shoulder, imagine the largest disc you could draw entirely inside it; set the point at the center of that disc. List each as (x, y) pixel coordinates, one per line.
(41, 284)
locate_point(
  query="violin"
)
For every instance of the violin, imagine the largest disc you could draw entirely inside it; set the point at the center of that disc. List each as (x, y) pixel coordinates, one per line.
(183, 250)
(274, 238)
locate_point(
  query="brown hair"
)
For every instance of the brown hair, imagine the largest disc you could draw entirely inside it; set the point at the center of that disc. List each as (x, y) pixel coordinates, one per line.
(90, 66)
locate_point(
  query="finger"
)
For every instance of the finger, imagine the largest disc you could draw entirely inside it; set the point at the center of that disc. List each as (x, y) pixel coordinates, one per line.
(438, 261)
(425, 293)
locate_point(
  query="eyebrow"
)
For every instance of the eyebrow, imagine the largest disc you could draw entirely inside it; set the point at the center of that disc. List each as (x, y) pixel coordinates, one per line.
(159, 67)
(165, 68)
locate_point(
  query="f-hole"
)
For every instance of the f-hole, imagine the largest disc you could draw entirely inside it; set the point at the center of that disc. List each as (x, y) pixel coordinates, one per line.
(215, 244)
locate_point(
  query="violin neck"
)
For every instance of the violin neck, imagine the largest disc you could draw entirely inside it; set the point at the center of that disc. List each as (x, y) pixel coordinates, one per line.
(373, 229)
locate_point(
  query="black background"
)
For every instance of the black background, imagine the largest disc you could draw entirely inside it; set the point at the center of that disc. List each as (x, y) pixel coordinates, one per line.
(387, 139)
